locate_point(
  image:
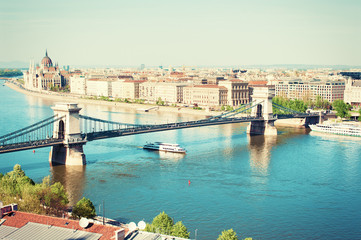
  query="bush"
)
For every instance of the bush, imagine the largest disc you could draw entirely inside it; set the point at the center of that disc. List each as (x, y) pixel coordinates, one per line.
(84, 208)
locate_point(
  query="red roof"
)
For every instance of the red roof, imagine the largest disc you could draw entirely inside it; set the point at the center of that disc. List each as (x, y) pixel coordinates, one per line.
(258, 83)
(19, 219)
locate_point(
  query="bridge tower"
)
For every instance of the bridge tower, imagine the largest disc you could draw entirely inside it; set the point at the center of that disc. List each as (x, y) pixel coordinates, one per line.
(263, 99)
(67, 128)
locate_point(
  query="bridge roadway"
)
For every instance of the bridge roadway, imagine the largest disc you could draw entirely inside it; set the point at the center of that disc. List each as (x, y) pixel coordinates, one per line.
(166, 127)
(85, 137)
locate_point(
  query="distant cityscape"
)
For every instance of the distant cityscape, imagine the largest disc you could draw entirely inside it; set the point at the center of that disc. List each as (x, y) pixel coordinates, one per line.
(209, 88)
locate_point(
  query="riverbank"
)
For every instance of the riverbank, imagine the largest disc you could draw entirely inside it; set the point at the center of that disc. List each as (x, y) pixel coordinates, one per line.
(67, 97)
(121, 106)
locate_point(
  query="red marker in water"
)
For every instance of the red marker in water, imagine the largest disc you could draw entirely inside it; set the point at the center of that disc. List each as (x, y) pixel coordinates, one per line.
(33, 151)
(189, 182)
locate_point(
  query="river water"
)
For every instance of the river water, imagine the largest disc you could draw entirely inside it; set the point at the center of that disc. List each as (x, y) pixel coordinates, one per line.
(294, 186)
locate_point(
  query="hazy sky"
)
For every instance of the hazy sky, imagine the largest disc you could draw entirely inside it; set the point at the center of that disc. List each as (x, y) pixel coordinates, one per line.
(176, 32)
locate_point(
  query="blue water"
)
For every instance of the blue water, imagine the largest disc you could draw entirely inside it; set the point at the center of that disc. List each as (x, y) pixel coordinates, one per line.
(293, 186)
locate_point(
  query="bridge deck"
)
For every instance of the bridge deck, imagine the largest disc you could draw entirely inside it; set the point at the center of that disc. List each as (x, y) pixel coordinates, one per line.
(31, 145)
(138, 130)
(165, 127)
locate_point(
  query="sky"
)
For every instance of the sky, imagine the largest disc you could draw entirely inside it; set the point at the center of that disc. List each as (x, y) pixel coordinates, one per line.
(182, 32)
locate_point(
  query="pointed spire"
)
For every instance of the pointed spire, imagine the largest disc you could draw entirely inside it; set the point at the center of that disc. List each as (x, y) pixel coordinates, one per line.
(46, 52)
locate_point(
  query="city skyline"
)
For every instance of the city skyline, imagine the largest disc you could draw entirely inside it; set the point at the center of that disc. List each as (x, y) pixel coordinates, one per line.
(207, 33)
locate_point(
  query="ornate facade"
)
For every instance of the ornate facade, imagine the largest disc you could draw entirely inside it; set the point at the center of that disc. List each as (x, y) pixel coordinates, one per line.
(45, 76)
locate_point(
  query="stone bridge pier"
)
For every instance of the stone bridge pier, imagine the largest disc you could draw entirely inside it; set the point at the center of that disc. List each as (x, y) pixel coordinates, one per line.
(68, 129)
(263, 98)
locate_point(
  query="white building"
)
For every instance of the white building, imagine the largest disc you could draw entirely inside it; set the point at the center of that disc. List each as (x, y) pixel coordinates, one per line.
(353, 92)
(309, 90)
(168, 92)
(78, 85)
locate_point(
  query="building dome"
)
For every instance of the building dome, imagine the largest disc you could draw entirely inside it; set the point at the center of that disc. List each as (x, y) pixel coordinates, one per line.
(46, 61)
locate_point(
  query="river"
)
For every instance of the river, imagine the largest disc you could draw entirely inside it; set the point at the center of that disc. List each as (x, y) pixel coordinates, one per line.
(294, 186)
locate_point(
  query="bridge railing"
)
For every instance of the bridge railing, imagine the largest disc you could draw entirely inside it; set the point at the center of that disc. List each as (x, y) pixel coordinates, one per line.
(42, 130)
(91, 125)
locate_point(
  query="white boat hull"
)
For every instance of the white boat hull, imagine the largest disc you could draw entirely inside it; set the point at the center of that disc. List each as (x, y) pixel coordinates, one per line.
(165, 147)
(339, 129)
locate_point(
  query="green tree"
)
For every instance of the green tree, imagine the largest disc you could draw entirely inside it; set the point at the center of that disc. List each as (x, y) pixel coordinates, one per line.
(297, 105)
(318, 102)
(179, 230)
(84, 208)
(43, 198)
(12, 182)
(359, 118)
(53, 197)
(229, 234)
(160, 102)
(341, 108)
(150, 228)
(163, 223)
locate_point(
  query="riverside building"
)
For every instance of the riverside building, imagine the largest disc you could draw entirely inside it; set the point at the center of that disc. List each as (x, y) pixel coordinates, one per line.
(205, 95)
(309, 90)
(167, 92)
(353, 92)
(237, 92)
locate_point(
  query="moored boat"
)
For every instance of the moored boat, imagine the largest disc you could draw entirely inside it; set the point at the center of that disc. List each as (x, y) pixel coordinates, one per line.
(166, 147)
(347, 129)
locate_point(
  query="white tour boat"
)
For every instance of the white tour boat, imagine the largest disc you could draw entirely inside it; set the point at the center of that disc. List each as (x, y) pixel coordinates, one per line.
(167, 147)
(348, 129)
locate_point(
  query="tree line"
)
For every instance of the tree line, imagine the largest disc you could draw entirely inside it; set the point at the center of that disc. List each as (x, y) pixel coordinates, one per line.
(164, 224)
(10, 72)
(342, 109)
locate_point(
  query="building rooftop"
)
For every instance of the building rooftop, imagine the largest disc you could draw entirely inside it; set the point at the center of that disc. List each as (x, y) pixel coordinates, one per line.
(20, 219)
(6, 230)
(41, 231)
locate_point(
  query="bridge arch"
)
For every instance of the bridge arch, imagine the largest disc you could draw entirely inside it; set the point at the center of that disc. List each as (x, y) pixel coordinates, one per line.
(259, 110)
(61, 130)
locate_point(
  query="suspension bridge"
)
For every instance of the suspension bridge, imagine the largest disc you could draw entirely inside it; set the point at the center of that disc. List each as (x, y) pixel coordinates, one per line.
(67, 130)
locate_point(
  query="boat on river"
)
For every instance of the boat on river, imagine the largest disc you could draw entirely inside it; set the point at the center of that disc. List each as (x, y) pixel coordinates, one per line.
(166, 147)
(347, 129)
